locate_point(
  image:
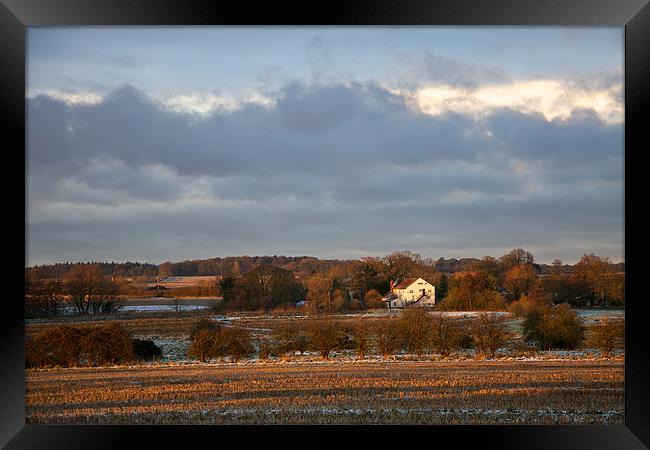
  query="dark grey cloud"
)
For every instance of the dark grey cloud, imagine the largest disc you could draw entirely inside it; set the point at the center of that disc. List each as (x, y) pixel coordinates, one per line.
(329, 170)
(428, 67)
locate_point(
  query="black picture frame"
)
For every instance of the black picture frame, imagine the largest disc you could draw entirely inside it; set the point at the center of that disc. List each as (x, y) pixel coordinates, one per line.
(634, 15)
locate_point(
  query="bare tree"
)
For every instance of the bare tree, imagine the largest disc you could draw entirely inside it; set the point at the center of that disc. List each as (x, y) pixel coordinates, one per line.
(42, 298)
(90, 290)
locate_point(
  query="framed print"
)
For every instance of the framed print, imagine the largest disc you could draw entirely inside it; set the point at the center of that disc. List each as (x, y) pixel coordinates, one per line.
(274, 221)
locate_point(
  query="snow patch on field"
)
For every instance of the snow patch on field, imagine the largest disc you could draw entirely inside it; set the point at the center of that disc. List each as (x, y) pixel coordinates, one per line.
(592, 316)
(157, 308)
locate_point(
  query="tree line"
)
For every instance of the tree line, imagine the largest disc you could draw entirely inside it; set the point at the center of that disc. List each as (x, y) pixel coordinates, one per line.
(509, 282)
(126, 269)
(241, 265)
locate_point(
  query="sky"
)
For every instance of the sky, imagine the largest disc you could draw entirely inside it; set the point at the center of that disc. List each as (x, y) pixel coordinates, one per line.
(158, 144)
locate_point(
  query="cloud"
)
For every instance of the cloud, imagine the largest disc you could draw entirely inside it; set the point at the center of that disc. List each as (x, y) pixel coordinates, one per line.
(433, 68)
(415, 69)
(322, 169)
(554, 99)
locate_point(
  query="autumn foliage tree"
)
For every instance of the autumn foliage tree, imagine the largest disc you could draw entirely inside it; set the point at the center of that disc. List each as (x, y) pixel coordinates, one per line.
(319, 293)
(535, 299)
(516, 257)
(373, 299)
(472, 291)
(597, 276)
(519, 279)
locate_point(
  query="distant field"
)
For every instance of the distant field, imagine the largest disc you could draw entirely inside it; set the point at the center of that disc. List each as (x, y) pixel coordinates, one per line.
(372, 392)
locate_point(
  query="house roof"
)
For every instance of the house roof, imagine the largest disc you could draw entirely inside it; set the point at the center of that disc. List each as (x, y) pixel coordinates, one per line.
(406, 282)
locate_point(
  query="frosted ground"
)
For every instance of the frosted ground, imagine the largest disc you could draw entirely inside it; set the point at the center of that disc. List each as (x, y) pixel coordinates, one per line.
(175, 348)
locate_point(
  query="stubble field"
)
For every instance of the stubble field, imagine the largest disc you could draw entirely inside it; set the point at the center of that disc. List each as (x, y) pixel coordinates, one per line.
(370, 392)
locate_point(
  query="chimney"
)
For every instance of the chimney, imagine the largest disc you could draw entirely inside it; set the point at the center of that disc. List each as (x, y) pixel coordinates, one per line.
(392, 285)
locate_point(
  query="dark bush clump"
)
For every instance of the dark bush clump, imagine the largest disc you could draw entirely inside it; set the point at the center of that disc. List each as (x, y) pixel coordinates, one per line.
(146, 350)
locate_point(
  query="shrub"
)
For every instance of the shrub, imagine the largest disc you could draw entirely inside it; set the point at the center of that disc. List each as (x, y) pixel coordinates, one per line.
(289, 338)
(357, 305)
(607, 335)
(61, 346)
(554, 327)
(120, 344)
(94, 348)
(361, 334)
(67, 346)
(34, 353)
(489, 332)
(235, 343)
(325, 336)
(341, 300)
(146, 350)
(389, 337)
(415, 325)
(219, 343)
(204, 324)
(266, 350)
(446, 335)
(203, 345)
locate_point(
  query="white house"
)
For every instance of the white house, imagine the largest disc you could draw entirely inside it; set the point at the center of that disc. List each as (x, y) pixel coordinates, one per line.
(411, 292)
